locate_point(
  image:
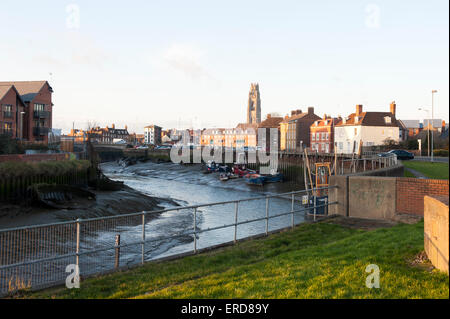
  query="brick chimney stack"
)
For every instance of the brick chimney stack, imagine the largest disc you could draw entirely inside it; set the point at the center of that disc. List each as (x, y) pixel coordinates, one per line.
(393, 107)
(311, 110)
(269, 116)
(359, 109)
(113, 126)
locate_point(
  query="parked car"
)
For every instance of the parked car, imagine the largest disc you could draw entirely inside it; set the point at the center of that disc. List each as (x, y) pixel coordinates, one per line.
(142, 147)
(402, 154)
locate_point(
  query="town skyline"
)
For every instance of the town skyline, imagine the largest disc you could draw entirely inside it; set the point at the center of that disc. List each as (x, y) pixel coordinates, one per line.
(302, 54)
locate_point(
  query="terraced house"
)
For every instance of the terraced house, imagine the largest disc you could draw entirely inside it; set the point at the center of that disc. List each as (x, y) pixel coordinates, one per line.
(37, 117)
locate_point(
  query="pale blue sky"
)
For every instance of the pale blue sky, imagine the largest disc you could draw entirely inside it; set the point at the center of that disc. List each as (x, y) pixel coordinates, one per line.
(191, 62)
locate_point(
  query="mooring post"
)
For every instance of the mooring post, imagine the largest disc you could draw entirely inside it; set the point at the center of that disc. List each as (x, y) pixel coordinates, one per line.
(195, 230)
(78, 244)
(117, 254)
(315, 200)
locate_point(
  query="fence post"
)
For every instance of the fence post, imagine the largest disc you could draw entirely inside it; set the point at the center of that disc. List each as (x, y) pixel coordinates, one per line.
(364, 164)
(117, 253)
(195, 230)
(267, 215)
(78, 244)
(315, 200)
(236, 209)
(292, 209)
(143, 237)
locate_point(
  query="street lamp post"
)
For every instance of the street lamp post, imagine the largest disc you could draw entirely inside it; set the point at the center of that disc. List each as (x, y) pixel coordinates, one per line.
(428, 130)
(432, 121)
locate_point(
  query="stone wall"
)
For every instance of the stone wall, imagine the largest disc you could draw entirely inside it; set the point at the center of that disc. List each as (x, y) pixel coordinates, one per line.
(34, 157)
(436, 228)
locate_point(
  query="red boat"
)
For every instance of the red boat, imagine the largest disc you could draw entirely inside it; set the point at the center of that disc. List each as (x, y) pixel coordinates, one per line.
(241, 170)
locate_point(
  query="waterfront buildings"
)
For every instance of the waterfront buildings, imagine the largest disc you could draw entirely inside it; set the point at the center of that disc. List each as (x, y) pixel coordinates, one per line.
(12, 109)
(322, 134)
(36, 96)
(152, 134)
(298, 129)
(368, 128)
(264, 128)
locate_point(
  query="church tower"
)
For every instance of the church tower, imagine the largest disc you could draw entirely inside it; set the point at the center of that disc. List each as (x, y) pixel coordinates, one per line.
(254, 105)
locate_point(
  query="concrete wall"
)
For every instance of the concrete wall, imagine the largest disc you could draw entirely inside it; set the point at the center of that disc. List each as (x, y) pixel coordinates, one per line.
(363, 196)
(436, 228)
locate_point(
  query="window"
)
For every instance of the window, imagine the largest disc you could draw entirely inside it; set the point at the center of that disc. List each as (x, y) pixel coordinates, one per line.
(313, 136)
(387, 119)
(318, 136)
(39, 107)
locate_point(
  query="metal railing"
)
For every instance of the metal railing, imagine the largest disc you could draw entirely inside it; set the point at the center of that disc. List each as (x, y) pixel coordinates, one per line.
(366, 164)
(36, 257)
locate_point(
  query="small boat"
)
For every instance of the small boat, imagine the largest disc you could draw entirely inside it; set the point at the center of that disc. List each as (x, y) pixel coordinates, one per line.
(241, 170)
(273, 178)
(223, 177)
(212, 166)
(232, 176)
(255, 179)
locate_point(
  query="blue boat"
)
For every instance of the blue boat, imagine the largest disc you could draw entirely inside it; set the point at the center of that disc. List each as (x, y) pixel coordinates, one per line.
(278, 177)
(255, 179)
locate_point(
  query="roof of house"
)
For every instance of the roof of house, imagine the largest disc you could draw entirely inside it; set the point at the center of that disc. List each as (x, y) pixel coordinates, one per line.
(246, 126)
(369, 119)
(27, 89)
(4, 89)
(435, 122)
(300, 116)
(321, 123)
(271, 122)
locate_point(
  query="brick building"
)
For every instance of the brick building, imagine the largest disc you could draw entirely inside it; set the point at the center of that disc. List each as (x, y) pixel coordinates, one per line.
(322, 135)
(298, 129)
(12, 110)
(264, 129)
(37, 97)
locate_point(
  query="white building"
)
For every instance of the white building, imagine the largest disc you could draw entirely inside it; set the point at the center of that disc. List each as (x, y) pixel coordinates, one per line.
(152, 135)
(372, 128)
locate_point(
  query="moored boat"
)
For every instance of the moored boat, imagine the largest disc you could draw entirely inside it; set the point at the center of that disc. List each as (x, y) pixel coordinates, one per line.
(255, 179)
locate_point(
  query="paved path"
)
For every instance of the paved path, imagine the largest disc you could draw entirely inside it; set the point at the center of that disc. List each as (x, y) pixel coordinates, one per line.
(416, 173)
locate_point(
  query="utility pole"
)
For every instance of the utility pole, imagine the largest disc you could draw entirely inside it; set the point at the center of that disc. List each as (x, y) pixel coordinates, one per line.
(432, 122)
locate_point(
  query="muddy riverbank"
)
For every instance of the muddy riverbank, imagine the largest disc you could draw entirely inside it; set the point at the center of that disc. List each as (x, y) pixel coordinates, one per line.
(108, 203)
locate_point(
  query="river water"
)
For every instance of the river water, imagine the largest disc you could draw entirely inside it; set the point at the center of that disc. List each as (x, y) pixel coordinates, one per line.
(187, 186)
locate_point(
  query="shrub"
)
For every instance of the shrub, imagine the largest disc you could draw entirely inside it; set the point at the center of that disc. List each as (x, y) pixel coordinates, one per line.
(49, 168)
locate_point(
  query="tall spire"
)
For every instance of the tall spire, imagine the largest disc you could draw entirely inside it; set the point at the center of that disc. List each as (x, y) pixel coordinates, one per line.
(254, 105)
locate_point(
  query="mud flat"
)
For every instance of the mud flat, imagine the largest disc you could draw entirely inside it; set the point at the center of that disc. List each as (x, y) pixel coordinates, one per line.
(108, 203)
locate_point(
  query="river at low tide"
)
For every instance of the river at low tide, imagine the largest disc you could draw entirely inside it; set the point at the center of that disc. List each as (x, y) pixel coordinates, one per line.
(187, 186)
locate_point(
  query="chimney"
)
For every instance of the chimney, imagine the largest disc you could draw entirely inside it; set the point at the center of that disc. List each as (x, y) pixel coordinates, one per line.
(113, 126)
(393, 107)
(299, 111)
(269, 116)
(324, 116)
(286, 117)
(126, 127)
(359, 109)
(311, 110)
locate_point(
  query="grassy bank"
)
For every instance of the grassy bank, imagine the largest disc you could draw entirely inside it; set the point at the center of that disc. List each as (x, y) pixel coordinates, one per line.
(47, 168)
(431, 170)
(321, 260)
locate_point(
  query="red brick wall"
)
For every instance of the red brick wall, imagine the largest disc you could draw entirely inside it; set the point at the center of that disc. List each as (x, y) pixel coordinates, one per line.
(11, 98)
(34, 157)
(411, 191)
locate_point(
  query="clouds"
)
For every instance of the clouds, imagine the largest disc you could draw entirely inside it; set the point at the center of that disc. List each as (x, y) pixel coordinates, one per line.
(186, 59)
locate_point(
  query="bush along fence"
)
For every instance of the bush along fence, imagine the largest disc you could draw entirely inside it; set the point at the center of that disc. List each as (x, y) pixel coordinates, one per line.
(17, 177)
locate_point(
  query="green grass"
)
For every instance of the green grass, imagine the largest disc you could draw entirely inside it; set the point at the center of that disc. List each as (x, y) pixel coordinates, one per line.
(320, 260)
(431, 170)
(407, 173)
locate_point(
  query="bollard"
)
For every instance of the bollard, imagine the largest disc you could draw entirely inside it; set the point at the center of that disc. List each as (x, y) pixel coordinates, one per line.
(117, 254)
